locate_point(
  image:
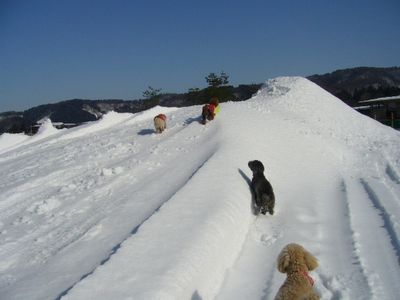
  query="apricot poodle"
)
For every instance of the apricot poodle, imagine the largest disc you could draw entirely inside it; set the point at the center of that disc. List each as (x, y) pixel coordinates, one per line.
(296, 261)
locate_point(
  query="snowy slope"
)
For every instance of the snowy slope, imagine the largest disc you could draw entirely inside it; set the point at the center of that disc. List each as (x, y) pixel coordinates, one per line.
(110, 210)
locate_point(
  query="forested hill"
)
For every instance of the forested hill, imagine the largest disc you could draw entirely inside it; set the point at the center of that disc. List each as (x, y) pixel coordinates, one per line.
(356, 84)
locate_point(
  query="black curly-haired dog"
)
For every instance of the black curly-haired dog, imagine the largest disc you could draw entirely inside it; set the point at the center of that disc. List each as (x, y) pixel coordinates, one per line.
(262, 189)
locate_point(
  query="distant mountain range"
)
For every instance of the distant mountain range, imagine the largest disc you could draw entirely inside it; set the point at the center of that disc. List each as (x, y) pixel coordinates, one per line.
(349, 85)
(363, 83)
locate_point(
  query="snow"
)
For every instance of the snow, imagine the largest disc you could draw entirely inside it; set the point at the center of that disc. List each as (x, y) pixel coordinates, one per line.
(111, 210)
(381, 99)
(8, 140)
(11, 141)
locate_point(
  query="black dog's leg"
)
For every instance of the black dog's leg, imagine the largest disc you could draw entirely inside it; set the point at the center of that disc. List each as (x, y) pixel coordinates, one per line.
(271, 210)
(264, 204)
(260, 204)
(271, 205)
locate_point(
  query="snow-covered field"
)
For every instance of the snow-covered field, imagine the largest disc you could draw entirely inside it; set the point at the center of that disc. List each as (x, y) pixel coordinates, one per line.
(110, 210)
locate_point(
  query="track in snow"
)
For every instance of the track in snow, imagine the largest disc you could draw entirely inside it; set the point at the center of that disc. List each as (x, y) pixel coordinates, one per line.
(375, 256)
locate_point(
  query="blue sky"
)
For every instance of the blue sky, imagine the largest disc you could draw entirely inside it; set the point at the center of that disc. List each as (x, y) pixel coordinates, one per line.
(56, 50)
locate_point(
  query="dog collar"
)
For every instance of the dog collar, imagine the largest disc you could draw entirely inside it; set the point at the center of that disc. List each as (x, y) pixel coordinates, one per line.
(308, 277)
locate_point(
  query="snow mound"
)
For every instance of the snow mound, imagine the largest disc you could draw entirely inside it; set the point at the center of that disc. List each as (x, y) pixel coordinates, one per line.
(112, 118)
(46, 129)
(8, 140)
(307, 101)
(152, 112)
(108, 120)
(300, 100)
(12, 142)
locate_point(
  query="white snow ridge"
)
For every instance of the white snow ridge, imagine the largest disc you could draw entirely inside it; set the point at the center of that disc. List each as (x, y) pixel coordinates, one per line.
(111, 210)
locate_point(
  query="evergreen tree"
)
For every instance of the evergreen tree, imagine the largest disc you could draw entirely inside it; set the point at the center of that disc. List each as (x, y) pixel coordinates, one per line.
(214, 80)
(151, 93)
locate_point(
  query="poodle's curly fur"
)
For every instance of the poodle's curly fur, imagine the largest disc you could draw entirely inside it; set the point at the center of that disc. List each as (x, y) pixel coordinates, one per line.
(296, 261)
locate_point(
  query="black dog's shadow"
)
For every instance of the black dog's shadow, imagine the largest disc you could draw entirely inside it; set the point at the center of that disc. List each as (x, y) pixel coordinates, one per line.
(191, 120)
(196, 296)
(253, 197)
(146, 132)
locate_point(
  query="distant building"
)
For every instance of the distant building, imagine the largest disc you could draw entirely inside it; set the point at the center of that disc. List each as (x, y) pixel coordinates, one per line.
(385, 110)
(61, 125)
(33, 129)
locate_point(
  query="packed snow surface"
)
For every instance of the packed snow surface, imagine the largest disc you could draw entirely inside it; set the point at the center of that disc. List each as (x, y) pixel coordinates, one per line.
(111, 210)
